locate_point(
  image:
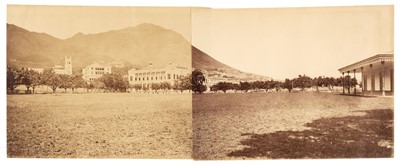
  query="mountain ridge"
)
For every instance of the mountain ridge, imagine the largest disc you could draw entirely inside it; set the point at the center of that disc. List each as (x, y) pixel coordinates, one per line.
(136, 46)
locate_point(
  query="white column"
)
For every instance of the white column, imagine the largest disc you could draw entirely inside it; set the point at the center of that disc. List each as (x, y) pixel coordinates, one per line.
(383, 78)
(370, 74)
(362, 81)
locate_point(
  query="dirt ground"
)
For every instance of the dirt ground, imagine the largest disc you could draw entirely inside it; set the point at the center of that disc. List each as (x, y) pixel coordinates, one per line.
(99, 125)
(291, 125)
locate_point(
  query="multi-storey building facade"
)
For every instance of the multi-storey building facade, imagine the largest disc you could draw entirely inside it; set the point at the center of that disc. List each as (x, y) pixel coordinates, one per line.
(94, 71)
(151, 74)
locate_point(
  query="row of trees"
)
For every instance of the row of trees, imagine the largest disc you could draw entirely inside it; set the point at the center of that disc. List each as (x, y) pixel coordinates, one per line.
(302, 82)
(114, 82)
(32, 79)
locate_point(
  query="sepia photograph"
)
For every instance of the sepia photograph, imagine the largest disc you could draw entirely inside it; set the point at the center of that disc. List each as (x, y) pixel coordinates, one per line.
(98, 82)
(293, 83)
(199, 83)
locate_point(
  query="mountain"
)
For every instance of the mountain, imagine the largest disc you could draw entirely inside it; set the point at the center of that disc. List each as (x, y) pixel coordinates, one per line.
(203, 61)
(137, 46)
(134, 46)
(217, 71)
(25, 48)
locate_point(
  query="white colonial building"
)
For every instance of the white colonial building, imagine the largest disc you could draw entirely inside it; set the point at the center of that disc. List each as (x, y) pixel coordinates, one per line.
(66, 69)
(94, 71)
(376, 72)
(151, 74)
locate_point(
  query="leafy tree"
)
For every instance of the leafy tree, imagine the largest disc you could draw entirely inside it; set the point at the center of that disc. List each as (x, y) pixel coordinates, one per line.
(277, 85)
(224, 86)
(245, 86)
(98, 85)
(13, 78)
(235, 87)
(183, 83)
(303, 82)
(145, 88)
(29, 78)
(65, 82)
(319, 82)
(137, 87)
(114, 82)
(330, 82)
(77, 82)
(50, 78)
(353, 82)
(165, 86)
(35, 79)
(156, 87)
(90, 86)
(271, 84)
(267, 85)
(257, 85)
(214, 88)
(198, 81)
(339, 81)
(349, 82)
(288, 84)
(25, 78)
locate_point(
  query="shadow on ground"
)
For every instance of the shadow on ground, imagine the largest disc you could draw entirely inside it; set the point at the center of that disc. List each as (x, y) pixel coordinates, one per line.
(368, 136)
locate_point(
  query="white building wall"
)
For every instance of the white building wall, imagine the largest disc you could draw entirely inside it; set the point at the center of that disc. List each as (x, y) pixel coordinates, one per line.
(94, 71)
(376, 73)
(368, 79)
(151, 75)
(377, 84)
(387, 80)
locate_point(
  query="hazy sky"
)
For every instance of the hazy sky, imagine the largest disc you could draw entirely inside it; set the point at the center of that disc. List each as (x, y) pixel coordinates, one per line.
(280, 42)
(65, 21)
(286, 42)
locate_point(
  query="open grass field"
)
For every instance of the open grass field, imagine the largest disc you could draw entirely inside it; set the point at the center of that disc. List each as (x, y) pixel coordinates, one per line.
(291, 125)
(99, 125)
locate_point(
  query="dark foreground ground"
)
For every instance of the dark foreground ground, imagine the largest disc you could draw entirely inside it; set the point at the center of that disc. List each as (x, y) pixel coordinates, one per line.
(99, 125)
(291, 125)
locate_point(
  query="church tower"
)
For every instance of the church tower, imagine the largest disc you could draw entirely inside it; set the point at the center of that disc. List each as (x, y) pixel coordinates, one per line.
(68, 65)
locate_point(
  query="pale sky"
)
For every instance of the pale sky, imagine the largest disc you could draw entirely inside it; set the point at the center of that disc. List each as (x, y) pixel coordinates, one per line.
(65, 21)
(285, 42)
(277, 42)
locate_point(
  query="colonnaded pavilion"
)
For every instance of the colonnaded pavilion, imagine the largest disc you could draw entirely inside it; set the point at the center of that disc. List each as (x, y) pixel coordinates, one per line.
(377, 74)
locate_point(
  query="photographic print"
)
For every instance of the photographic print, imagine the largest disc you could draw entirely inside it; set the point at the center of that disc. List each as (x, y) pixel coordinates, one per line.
(200, 83)
(294, 83)
(98, 82)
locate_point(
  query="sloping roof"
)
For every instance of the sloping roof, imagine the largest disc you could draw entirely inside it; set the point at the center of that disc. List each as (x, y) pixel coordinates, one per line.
(366, 62)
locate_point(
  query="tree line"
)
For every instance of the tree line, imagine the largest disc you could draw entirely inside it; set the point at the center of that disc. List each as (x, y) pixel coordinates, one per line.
(302, 82)
(117, 82)
(109, 82)
(31, 79)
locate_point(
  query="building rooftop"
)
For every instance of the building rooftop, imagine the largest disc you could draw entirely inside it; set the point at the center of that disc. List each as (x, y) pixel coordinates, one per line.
(366, 62)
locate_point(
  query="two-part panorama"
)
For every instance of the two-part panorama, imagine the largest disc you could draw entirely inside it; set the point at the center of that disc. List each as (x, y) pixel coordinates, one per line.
(200, 83)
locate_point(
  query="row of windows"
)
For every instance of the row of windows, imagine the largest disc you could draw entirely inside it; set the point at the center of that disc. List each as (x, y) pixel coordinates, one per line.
(174, 76)
(98, 72)
(149, 73)
(98, 69)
